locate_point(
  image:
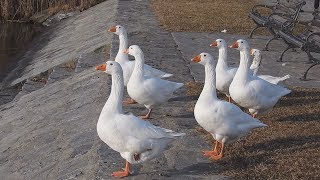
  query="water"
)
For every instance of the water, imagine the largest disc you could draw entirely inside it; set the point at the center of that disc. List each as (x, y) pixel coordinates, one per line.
(15, 38)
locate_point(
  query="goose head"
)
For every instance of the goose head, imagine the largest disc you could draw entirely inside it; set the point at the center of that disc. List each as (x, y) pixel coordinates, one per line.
(240, 45)
(110, 67)
(255, 53)
(204, 59)
(118, 29)
(219, 43)
(133, 50)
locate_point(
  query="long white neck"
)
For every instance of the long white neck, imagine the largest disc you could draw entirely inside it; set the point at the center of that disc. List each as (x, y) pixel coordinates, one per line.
(255, 65)
(138, 70)
(257, 61)
(209, 92)
(114, 102)
(243, 71)
(123, 42)
(123, 45)
(255, 71)
(222, 61)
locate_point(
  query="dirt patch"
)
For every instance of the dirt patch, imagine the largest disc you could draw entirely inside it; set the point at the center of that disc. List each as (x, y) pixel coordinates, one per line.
(194, 88)
(70, 66)
(205, 16)
(289, 148)
(104, 50)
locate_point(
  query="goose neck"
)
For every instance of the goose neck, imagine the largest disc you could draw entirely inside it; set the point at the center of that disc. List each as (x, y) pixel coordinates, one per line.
(209, 89)
(138, 65)
(255, 71)
(123, 42)
(114, 102)
(255, 66)
(242, 73)
(123, 45)
(222, 60)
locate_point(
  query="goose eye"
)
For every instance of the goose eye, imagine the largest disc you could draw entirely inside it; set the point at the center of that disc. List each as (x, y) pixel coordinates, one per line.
(111, 64)
(241, 41)
(205, 55)
(219, 41)
(119, 27)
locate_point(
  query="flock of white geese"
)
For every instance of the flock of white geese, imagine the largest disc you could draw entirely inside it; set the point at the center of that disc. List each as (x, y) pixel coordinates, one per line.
(138, 140)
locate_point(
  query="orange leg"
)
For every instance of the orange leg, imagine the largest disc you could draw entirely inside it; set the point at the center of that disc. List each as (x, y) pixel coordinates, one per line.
(129, 101)
(220, 155)
(124, 173)
(147, 116)
(229, 98)
(214, 151)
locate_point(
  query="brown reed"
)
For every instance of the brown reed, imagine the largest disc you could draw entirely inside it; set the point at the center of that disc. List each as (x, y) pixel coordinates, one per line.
(23, 10)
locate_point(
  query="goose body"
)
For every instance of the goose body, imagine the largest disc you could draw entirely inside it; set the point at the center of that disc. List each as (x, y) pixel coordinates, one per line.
(252, 92)
(149, 91)
(123, 58)
(136, 140)
(225, 121)
(224, 74)
(255, 67)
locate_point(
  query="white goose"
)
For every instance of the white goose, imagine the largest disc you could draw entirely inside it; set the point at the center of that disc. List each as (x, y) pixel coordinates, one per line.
(224, 74)
(123, 58)
(223, 120)
(251, 92)
(136, 140)
(255, 67)
(149, 91)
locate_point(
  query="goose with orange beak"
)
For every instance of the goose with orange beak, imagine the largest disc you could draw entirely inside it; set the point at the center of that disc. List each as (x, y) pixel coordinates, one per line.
(127, 65)
(225, 121)
(136, 140)
(255, 67)
(252, 92)
(224, 74)
(123, 59)
(149, 91)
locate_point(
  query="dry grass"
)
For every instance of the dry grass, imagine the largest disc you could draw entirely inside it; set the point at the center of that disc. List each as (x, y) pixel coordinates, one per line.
(205, 15)
(289, 148)
(24, 9)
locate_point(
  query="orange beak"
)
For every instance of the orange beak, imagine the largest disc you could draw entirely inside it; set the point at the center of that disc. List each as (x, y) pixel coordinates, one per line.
(102, 67)
(197, 58)
(235, 45)
(214, 44)
(126, 51)
(112, 29)
(251, 52)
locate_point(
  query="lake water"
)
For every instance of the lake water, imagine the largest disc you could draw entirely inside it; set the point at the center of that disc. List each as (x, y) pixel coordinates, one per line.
(14, 40)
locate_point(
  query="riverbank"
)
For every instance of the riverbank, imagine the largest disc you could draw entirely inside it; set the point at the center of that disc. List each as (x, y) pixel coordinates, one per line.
(62, 43)
(15, 39)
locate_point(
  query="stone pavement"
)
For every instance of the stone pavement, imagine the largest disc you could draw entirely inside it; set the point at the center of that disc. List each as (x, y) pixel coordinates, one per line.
(50, 133)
